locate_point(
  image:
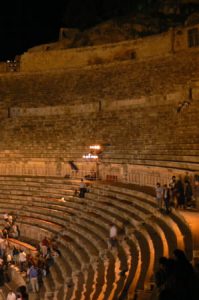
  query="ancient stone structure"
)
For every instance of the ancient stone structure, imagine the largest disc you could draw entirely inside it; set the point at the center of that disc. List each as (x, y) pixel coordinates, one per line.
(87, 269)
(139, 101)
(122, 94)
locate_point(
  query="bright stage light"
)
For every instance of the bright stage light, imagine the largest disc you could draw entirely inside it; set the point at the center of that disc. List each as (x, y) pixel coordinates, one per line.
(95, 147)
(90, 156)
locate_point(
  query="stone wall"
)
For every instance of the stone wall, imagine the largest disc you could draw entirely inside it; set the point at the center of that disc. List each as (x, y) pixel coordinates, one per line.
(76, 108)
(3, 67)
(158, 140)
(140, 175)
(60, 167)
(49, 119)
(115, 105)
(101, 83)
(160, 45)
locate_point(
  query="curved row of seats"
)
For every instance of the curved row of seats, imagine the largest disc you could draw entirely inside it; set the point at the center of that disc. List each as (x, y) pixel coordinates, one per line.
(87, 268)
(170, 144)
(16, 280)
(132, 78)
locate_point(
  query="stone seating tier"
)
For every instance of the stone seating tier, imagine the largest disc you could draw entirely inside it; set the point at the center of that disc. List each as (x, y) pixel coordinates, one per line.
(30, 231)
(105, 204)
(132, 79)
(17, 279)
(143, 197)
(165, 231)
(70, 136)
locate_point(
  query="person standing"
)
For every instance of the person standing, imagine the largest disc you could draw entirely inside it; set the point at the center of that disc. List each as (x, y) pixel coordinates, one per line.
(33, 274)
(159, 195)
(187, 177)
(173, 191)
(166, 198)
(22, 260)
(113, 236)
(82, 189)
(5, 216)
(180, 193)
(188, 193)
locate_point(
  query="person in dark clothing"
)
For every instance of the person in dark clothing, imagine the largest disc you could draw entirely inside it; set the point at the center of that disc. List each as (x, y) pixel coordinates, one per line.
(180, 194)
(15, 254)
(2, 280)
(22, 290)
(181, 283)
(185, 277)
(82, 189)
(166, 198)
(161, 273)
(167, 291)
(188, 193)
(173, 191)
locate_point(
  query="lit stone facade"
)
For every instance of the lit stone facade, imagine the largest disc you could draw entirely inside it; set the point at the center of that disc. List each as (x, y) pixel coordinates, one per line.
(63, 101)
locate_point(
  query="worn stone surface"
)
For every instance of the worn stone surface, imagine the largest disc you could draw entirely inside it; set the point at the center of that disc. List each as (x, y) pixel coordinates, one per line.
(128, 107)
(118, 81)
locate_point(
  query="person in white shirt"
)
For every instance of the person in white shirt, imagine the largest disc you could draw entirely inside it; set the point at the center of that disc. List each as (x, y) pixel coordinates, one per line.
(113, 235)
(159, 195)
(5, 216)
(14, 231)
(22, 260)
(82, 189)
(9, 258)
(11, 296)
(10, 219)
(44, 250)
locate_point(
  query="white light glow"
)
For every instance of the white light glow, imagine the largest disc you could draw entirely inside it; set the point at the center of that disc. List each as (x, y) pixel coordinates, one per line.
(95, 147)
(90, 156)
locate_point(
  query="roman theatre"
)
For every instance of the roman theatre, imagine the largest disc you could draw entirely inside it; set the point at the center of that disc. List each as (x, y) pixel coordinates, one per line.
(122, 116)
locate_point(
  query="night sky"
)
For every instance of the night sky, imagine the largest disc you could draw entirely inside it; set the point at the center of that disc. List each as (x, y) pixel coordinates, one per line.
(26, 23)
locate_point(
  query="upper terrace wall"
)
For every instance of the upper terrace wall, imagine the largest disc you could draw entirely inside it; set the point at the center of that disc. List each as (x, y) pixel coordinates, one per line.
(80, 57)
(46, 116)
(76, 108)
(41, 140)
(117, 81)
(143, 48)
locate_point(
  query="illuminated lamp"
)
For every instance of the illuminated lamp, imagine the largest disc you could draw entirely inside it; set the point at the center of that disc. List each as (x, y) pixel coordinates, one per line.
(90, 156)
(95, 147)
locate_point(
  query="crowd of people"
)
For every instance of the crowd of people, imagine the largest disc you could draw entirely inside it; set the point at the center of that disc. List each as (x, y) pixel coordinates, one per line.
(176, 278)
(178, 193)
(11, 228)
(32, 267)
(20, 294)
